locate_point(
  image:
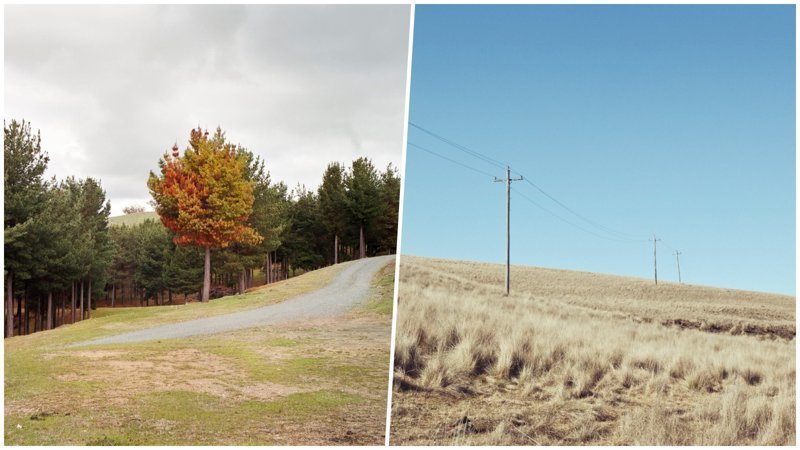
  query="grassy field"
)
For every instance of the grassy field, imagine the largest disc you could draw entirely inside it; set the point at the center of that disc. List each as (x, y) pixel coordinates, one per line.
(581, 358)
(132, 219)
(318, 383)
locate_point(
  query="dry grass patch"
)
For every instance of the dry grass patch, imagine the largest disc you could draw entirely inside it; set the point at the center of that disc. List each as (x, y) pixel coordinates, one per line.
(569, 359)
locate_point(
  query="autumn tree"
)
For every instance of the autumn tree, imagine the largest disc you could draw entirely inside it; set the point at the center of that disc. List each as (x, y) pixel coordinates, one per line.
(204, 196)
(268, 219)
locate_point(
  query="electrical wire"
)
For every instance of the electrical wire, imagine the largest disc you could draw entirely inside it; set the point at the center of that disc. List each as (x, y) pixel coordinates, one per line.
(411, 144)
(465, 149)
(613, 235)
(533, 202)
(621, 235)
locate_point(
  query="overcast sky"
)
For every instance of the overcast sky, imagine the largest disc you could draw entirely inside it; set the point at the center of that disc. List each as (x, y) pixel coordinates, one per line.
(113, 87)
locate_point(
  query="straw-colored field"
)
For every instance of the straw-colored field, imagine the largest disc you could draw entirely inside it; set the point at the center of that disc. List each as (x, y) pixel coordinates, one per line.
(581, 358)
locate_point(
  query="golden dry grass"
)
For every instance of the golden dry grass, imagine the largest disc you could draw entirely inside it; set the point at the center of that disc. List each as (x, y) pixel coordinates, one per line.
(580, 358)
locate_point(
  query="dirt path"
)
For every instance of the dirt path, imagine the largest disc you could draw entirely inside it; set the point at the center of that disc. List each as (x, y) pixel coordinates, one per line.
(350, 287)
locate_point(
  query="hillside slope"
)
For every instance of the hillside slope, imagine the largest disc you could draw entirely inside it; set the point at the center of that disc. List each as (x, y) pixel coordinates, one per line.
(132, 219)
(682, 305)
(313, 381)
(581, 358)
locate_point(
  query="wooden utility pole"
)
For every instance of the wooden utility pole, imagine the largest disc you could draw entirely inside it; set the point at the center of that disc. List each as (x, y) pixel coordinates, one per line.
(655, 259)
(508, 181)
(678, 260)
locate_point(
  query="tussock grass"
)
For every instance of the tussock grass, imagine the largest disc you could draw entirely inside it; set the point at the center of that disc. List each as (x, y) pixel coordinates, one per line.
(617, 366)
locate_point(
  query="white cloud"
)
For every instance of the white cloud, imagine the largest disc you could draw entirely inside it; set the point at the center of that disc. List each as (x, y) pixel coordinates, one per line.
(112, 87)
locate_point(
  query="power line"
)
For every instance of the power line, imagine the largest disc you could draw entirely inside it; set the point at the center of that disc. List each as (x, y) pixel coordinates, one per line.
(597, 225)
(613, 235)
(503, 166)
(463, 148)
(450, 160)
(534, 203)
(530, 200)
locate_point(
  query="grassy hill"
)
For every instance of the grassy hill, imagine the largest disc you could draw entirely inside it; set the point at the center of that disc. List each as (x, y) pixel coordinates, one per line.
(583, 358)
(132, 219)
(321, 382)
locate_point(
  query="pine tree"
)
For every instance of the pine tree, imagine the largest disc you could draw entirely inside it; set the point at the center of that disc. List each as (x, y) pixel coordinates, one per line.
(362, 200)
(303, 245)
(184, 272)
(204, 197)
(153, 250)
(387, 222)
(332, 202)
(24, 166)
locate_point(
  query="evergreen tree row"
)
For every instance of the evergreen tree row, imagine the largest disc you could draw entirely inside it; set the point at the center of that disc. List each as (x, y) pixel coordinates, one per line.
(56, 239)
(62, 257)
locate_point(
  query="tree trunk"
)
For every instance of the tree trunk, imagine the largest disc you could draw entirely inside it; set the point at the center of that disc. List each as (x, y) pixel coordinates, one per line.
(19, 316)
(89, 301)
(336, 249)
(206, 276)
(27, 318)
(80, 300)
(49, 310)
(242, 281)
(10, 305)
(169, 295)
(113, 294)
(74, 293)
(361, 250)
(270, 275)
(41, 313)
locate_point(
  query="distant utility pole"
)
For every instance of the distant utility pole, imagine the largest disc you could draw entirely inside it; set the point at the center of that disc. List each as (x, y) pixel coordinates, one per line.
(508, 181)
(678, 260)
(655, 259)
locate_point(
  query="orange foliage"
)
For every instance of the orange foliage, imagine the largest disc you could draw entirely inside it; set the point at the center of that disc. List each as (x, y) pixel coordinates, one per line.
(203, 196)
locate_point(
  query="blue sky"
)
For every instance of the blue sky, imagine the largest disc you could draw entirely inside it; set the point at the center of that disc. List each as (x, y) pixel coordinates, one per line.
(678, 120)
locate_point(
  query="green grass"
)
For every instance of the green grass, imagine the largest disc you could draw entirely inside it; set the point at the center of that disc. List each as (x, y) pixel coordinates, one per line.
(132, 219)
(382, 295)
(329, 378)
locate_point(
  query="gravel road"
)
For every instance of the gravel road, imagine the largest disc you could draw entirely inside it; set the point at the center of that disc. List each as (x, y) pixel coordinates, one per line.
(350, 287)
